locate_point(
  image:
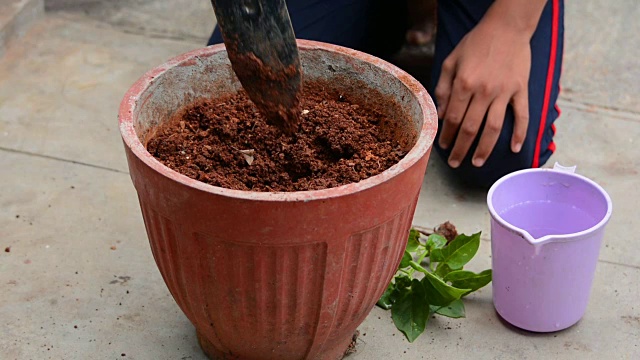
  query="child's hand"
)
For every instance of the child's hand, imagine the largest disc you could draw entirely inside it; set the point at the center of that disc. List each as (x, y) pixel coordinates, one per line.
(486, 71)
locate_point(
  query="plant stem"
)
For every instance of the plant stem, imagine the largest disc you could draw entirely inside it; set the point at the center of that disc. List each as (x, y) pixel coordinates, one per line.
(423, 230)
(424, 255)
(408, 272)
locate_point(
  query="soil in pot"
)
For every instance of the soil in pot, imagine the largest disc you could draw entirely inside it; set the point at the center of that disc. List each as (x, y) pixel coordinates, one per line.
(225, 142)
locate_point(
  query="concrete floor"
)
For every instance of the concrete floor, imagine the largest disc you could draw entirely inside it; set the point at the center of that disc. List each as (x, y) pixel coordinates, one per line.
(80, 282)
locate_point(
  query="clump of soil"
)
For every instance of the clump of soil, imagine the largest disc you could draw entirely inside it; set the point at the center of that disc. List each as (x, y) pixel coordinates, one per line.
(352, 349)
(447, 230)
(226, 142)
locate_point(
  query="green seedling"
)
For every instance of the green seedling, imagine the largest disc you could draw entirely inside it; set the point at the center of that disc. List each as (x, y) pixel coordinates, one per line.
(443, 285)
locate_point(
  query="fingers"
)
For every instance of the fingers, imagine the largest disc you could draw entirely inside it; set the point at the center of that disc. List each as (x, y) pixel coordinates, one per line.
(469, 129)
(445, 83)
(454, 113)
(463, 103)
(491, 131)
(521, 111)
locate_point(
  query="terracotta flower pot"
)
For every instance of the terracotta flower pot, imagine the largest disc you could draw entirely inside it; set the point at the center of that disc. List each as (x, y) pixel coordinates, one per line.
(275, 275)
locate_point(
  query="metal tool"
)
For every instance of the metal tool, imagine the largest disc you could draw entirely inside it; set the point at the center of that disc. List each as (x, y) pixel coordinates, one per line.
(262, 48)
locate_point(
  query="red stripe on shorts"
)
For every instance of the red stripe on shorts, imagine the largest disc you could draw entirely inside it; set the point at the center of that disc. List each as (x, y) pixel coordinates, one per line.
(548, 88)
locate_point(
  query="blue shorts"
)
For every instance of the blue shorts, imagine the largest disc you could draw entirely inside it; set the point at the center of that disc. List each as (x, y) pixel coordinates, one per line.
(375, 27)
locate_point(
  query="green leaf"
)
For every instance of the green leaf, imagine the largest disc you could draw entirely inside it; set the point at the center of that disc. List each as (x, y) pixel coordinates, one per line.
(410, 313)
(462, 249)
(402, 281)
(396, 287)
(414, 240)
(454, 310)
(386, 300)
(405, 259)
(436, 241)
(442, 270)
(468, 279)
(438, 292)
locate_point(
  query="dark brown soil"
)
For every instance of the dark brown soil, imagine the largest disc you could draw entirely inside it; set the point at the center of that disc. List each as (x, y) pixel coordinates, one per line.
(352, 349)
(226, 142)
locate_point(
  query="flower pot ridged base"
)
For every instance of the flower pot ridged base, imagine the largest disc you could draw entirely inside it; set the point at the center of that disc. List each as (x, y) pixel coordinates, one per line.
(214, 354)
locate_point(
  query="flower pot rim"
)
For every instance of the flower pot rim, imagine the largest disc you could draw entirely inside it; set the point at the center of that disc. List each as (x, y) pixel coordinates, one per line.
(421, 148)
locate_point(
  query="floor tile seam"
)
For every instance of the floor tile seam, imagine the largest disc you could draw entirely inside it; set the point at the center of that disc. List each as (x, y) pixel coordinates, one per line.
(56, 158)
(613, 112)
(127, 29)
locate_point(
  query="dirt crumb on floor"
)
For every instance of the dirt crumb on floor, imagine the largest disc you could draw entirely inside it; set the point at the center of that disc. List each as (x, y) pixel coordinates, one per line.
(353, 344)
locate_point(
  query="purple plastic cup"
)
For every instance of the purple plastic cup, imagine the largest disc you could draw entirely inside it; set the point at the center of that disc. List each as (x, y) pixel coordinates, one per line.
(546, 229)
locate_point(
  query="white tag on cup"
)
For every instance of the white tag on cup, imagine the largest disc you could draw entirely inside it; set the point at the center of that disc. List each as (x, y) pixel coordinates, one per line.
(567, 169)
